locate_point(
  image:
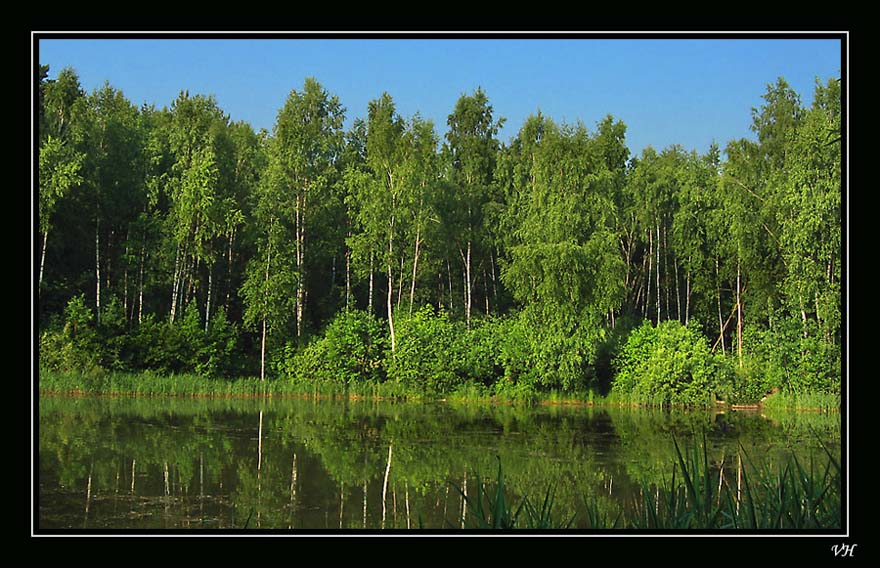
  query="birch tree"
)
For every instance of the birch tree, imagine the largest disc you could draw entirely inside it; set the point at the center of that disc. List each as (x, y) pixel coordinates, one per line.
(307, 140)
(470, 149)
(60, 162)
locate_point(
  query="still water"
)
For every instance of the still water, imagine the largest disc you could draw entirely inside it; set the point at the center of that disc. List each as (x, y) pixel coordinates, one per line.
(143, 464)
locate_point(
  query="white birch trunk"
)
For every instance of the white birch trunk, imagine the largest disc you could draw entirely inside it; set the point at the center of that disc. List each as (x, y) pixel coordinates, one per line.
(739, 315)
(370, 298)
(677, 290)
(175, 283)
(412, 289)
(208, 300)
(43, 255)
(385, 482)
(468, 305)
(97, 271)
(687, 304)
(650, 270)
(658, 274)
(400, 284)
(265, 307)
(390, 287)
(720, 316)
(229, 268)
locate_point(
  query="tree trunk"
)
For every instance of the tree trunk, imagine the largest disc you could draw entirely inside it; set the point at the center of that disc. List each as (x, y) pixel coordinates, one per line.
(486, 289)
(720, 316)
(390, 308)
(97, 270)
(43, 256)
(687, 303)
(141, 284)
(348, 276)
(129, 313)
(300, 264)
(469, 281)
(650, 270)
(658, 274)
(370, 298)
(494, 279)
(412, 289)
(677, 289)
(739, 314)
(177, 283)
(390, 287)
(399, 284)
(385, 482)
(265, 307)
(449, 277)
(208, 299)
(229, 268)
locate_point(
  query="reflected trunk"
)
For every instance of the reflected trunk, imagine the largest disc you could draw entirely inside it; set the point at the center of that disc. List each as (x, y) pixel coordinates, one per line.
(385, 482)
(406, 488)
(88, 495)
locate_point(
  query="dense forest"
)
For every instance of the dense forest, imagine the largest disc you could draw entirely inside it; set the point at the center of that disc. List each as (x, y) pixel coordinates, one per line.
(178, 241)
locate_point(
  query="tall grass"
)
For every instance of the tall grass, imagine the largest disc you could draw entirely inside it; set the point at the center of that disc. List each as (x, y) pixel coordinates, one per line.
(490, 507)
(791, 496)
(191, 385)
(789, 400)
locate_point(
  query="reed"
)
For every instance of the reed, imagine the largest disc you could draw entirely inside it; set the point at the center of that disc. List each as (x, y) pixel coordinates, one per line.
(790, 496)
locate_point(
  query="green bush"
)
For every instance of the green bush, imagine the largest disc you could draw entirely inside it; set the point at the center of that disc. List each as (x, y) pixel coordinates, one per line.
(515, 357)
(479, 349)
(216, 356)
(426, 359)
(783, 358)
(668, 365)
(349, 351)
(74, 348)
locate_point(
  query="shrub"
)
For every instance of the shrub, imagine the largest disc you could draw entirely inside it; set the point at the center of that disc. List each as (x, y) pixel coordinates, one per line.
(349, 351)
(783, 358)
(515, 357)
(426, 359)
(479, 349)
(668, 365)
(216, 357)
(75, 347)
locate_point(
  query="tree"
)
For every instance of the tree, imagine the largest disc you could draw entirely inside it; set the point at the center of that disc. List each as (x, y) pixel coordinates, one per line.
(106, 131)
(307, 141)
(810, 214)
(60, 164)
(383, 203)
(199, 144)
(470, 150)
(566, 269)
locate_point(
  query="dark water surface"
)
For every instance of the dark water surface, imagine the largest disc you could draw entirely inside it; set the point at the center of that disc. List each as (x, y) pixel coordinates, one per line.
(142, 464)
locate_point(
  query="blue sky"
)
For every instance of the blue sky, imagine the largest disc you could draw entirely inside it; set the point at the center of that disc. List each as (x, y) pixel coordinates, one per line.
(667, 91)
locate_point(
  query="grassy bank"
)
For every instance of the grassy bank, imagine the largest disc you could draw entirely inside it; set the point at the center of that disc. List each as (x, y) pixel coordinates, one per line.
(192, 385)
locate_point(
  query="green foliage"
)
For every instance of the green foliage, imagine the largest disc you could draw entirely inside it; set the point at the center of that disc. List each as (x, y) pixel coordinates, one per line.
(218, 349)
(426, 360)
(350, 351)
(153, 215)
(479, 348)
(792, 357)
(74, 348)
(669, 364)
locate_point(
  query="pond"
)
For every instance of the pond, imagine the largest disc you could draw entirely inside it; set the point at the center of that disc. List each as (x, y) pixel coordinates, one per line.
(140, 464)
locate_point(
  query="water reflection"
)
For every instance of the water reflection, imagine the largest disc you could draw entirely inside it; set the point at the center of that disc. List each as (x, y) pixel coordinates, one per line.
(294, 464)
